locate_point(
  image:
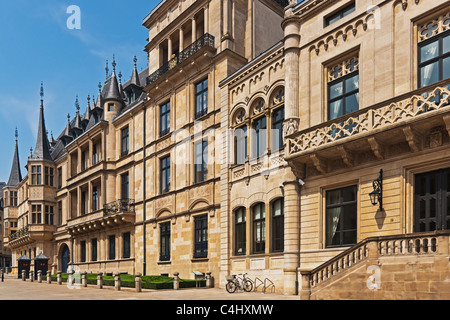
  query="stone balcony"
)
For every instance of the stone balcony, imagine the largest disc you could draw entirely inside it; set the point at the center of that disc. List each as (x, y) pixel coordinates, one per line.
(30, 234)
(113, 214)
(411, 122)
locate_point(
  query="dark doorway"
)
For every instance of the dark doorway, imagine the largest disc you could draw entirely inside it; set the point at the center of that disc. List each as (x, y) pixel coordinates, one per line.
(432, 201)
(65, 259)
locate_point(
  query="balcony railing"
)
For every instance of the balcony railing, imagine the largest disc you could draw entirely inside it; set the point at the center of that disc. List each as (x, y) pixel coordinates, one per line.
(20, 233)
(413, 106)
(118, 206)
(203, 41)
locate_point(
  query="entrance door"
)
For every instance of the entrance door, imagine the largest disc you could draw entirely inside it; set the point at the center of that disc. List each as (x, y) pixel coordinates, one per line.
(432, 201)
(65, 259)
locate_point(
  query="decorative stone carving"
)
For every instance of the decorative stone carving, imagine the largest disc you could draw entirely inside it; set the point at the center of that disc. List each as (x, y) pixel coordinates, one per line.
(434, 27)
(343, 68)
(290, 126)
(435, 137)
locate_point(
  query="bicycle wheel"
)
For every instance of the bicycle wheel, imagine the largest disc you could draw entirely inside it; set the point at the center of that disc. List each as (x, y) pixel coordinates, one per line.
(248, 286)
(231, 287)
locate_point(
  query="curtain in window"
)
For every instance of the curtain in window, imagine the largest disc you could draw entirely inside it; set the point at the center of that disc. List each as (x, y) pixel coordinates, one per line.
(428, 74)
(336, 109)
(333, 222)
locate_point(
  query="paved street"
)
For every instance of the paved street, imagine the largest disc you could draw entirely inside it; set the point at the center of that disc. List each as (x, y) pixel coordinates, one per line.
(15, 289)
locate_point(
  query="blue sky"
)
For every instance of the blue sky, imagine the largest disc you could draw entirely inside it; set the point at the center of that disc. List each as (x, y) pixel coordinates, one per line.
(36, 45)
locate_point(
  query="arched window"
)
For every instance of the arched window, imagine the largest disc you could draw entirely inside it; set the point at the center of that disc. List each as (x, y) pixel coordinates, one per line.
(239, 232)
(259, 228)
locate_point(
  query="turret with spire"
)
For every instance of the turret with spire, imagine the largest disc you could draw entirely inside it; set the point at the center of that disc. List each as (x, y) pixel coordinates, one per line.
(15, 177)
(41, 151)
(113, 90)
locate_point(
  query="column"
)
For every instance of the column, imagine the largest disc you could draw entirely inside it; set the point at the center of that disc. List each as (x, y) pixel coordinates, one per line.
(181, 46)
(291, 235)
(291, 27)
(206, 19)
(194, 30)
(169, 49)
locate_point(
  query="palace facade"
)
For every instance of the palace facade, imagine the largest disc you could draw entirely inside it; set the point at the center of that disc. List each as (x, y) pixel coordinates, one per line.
(305, 144)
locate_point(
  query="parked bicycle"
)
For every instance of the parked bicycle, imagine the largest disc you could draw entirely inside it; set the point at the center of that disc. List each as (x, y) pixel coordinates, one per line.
(235, 282)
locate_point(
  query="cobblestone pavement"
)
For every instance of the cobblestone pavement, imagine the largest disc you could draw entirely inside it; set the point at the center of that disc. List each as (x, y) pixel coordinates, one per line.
(16, 289)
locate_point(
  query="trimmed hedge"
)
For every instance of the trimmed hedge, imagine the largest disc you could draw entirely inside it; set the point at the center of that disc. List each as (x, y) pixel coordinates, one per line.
(127, 280)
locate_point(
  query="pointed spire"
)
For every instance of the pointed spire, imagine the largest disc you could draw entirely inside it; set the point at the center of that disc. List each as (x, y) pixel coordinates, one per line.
(41, 151)
(122, 94)
(87, 114)
(135, 75)
(113, 92)
(107, 69)
(15, 175)
(99, 103)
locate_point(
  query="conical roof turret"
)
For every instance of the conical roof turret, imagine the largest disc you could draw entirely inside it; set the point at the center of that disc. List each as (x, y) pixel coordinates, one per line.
(41, 151)
(15, 175)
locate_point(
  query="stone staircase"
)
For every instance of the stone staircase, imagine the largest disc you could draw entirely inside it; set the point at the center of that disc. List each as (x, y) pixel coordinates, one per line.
(410, 267)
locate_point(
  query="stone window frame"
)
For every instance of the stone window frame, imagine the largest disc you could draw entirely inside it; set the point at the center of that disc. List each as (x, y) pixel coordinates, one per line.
(339, 70)
(246, 116)
(441, 21)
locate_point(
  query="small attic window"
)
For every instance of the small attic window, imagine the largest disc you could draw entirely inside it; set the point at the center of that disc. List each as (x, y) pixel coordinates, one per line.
(345, 11)
(111, 107)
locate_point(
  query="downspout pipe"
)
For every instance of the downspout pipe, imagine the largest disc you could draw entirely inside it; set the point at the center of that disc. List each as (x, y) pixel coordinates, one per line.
(144, 203)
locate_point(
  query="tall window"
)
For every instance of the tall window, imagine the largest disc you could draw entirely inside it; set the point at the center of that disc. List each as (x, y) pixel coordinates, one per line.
(201, 237)
(278, 225)
(201, 98)
(164, 234)
(259, 137)
(13, 198)
(36, 175)
(164, 119)
(48, 176)
(240, 145)
(277, 129)
(94, 199)
(124, 145)
(125, 186)
(165, 174)
(343, 95)
(83, 160)
(340, 14)
(94, 250)
(201, 160)
(126, 237)
(240, 231)
(94, 154)
(60, 219)
(259, 228)
(36, 214)
(59, 177)
(434, 59)
(83, 251)
(341, 217)
(49, 215)
(83, 202)
(112, 247)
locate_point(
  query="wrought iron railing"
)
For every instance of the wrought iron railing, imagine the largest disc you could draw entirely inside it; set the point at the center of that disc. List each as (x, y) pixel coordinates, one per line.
(118, 206)
(20, 233)
(203, 41)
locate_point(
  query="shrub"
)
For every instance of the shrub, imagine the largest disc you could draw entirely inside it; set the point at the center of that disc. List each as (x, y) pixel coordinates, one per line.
(127, 280)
